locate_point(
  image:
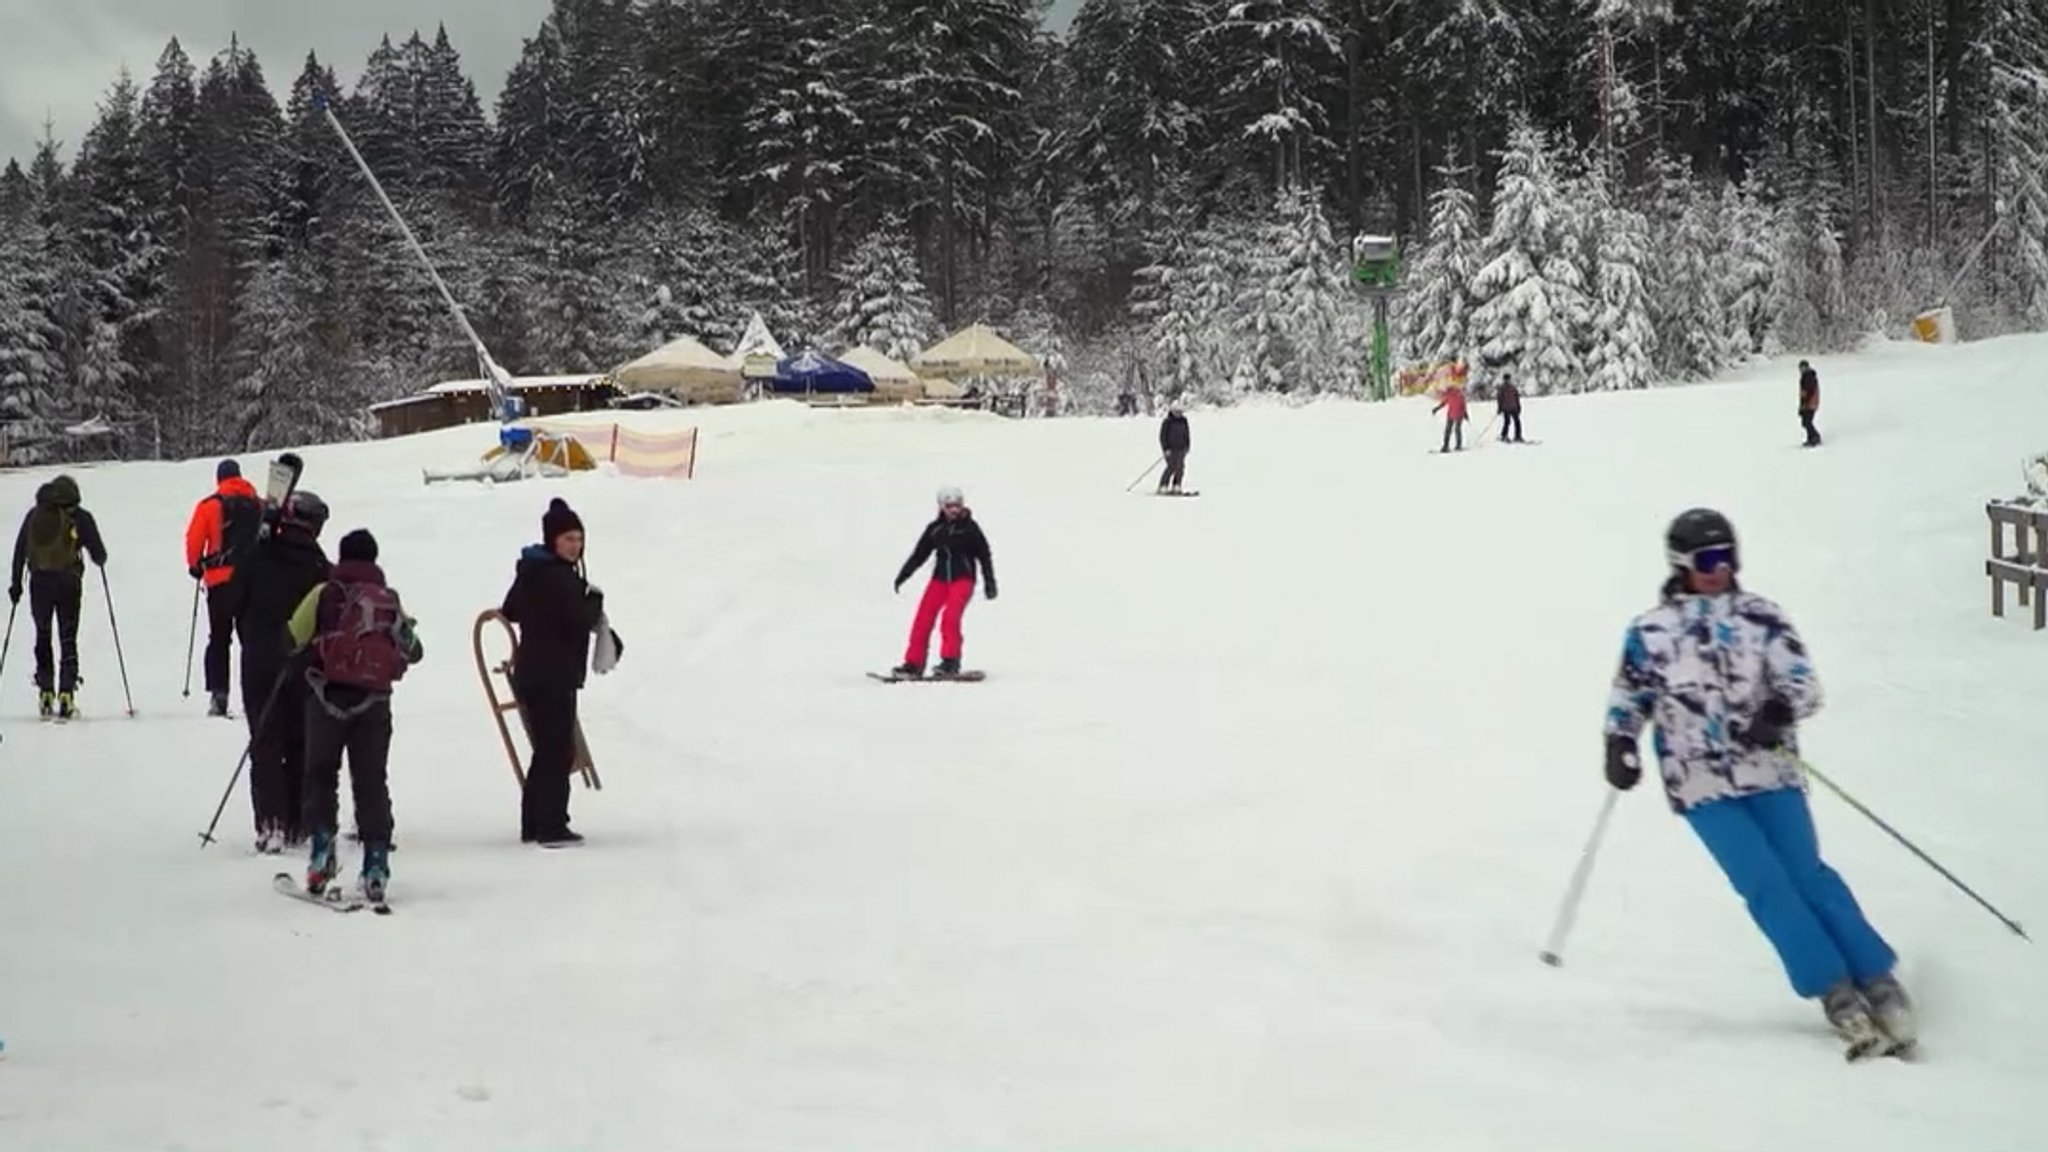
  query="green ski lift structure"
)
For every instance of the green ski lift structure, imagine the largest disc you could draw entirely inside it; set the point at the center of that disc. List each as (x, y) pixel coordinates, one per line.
(1376, 270)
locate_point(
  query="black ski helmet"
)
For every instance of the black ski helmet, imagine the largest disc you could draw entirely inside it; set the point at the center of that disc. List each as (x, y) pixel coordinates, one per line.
(1697, 528)
(307, 510)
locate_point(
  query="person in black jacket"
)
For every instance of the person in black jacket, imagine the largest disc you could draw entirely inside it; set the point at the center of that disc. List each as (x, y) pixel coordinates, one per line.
(266, 590)
(1809, 402)
(55, 537)
(1509, 400)
(556, 610)
(955, 544)
(1174, 443)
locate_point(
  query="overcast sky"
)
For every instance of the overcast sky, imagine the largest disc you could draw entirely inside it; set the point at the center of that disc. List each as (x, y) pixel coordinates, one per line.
(58, 57)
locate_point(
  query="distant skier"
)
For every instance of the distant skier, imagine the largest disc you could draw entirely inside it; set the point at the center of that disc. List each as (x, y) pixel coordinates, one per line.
(1725, 678)
(1508, 401)
(55, 537)
(224, 527)
(266, 590)
(556, 610)
(1452, 405)
(1809, 402)
(955, 544)
(361, 642)
(1174, 443)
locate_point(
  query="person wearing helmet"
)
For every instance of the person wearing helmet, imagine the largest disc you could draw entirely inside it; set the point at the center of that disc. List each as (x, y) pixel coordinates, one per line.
(1725, 679)
(955, 544)
(1174, 443)
(265, 590)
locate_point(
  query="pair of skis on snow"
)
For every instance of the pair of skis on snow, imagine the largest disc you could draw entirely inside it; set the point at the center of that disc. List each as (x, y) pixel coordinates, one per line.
(334, 898)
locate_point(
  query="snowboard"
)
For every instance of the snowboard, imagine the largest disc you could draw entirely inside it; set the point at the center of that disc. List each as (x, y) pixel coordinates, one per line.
(968, 675)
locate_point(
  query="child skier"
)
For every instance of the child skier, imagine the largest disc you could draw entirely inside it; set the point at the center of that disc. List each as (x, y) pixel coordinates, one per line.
(958, 545)
(556, 611)
(55, 537)
(361, 642)
(1452, 405)
(1725, 678)
(1174, 442)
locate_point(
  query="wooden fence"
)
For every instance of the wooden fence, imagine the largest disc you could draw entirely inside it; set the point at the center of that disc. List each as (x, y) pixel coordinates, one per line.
(2025, 565)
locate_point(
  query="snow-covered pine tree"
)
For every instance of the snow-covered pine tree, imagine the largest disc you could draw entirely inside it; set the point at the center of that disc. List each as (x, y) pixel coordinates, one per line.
(1530, 294)
(1623, 341)
(1136, 122)
(1312, 289)
(2018, 48)
(579, 298)
(682, 267)
(883, 302)
(1175, 333)
(1749, 270)
(1686, 295)
(454, 139)
(1265, 337)
(1437, 311)
(288, 387)
(1272, 56)
(31, 364)
(120, 259)
(1811, 295)
(805, 127)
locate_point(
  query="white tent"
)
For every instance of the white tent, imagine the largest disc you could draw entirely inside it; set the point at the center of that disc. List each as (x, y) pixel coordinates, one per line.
(686, 368)
(758, 352)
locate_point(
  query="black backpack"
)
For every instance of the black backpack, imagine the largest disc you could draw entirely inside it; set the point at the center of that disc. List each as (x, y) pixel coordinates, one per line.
(241, 526)
(52, 540)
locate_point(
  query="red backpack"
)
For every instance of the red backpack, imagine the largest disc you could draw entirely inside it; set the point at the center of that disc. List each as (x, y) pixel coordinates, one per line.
(363, 649)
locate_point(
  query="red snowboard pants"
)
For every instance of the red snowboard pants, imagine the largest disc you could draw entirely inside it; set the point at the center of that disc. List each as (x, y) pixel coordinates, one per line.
(943, 603)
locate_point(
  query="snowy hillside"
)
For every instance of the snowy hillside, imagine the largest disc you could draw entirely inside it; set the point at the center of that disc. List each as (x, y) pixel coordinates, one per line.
(1248, 842)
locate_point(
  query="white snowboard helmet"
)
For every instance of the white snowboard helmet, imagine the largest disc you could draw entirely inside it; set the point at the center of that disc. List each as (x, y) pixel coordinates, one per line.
(951, 495)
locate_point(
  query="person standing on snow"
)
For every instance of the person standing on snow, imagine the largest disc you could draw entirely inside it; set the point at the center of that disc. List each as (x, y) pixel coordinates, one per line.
(55, 537)
(266, 590)
(556, 610)
(224, 527)
(1725, 678)
(1809, 402)
(955, 544)
(1452, 405)
(1508, 400)
(1174, 442)
(361, 642)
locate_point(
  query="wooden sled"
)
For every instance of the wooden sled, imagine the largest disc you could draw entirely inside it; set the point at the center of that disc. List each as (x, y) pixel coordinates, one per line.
(508, 703)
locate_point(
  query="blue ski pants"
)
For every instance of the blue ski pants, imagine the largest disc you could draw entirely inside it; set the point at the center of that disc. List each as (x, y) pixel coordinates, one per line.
(1767, 846)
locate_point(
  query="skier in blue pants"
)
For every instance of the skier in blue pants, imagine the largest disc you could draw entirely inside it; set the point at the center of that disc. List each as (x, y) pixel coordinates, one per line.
(1725, 678)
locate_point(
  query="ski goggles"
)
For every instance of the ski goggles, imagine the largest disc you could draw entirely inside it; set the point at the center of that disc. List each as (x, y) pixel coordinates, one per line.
(1704, 560)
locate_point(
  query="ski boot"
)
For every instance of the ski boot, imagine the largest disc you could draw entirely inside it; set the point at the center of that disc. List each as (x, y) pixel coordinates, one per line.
(376, 872)
(67, 707)
(947, 668)
(1850, 1017)
(323, 866)
(217, 704)
(46, 704)
(908, 670)
(1892, 1009)
(269, 840)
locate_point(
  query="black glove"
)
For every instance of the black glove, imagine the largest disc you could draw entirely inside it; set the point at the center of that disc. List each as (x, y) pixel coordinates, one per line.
(196, 571)
(1768, 727)
(618, 644)
(14, 594)
(899, 582)
(991, 587)
(1624, 763)
(595, 599)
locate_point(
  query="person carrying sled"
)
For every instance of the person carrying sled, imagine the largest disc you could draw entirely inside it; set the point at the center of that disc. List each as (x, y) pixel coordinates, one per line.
(1725, 679)
(1508, 402)
(557, 611)
(1174, 443)
(358, 642)
(266, 589)
(224, 528)
(1809, 402)
(1452, 405)
(55, 538)
(955, 545)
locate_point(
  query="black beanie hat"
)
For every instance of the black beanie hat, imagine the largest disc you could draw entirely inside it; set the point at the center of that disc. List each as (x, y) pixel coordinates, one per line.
(558, 519)
(227, 470)
(359, 545)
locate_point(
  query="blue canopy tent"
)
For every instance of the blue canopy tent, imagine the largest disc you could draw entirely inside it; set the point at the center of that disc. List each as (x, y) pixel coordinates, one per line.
(814, 372)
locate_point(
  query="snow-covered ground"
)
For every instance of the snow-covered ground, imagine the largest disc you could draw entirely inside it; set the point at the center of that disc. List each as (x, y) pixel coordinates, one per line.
(1249, 841)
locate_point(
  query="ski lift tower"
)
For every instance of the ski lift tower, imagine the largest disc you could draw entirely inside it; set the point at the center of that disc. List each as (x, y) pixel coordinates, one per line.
(1376, 268)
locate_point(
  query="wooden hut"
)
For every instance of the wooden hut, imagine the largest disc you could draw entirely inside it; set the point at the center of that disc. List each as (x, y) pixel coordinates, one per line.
(456, 402)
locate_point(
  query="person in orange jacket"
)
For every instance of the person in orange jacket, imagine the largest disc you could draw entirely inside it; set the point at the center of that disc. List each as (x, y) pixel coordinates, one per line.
(1452, 405)
(223, 527)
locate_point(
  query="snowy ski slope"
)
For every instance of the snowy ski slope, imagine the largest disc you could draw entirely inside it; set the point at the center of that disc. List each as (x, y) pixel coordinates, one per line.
(1249, 842)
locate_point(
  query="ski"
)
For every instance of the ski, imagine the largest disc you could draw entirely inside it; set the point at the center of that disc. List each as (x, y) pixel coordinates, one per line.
(969, 675)
(1188, 493)
(334, 899)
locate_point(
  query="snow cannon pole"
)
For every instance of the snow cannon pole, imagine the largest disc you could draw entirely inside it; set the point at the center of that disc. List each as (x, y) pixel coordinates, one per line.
(1894, 833)
(492, 373)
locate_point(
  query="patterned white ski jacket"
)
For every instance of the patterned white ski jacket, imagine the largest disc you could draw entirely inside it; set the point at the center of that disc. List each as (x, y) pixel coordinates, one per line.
(1694, 665)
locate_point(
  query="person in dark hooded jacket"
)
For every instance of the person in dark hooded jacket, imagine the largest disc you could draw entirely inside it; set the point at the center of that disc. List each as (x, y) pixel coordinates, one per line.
(266, 590)
(1174, 442)
(556, 610)
(55, 537)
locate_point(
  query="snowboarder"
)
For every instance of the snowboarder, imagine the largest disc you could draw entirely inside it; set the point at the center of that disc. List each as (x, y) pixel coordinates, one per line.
(55, 537)
(1452, 405)
(1725, 678)
(266, 589)
(224, 527)
(361, 642)
(1508, 400)
(1174, 443)
(1809, 402)
(957, 544)
(556, 610)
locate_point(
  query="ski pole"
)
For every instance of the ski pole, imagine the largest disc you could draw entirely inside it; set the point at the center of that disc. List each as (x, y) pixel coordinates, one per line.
(191, 637)
(1146, 472)
(1553, 954)
(9, 641)
(114, 623)
(1915, 850)
(262, 718)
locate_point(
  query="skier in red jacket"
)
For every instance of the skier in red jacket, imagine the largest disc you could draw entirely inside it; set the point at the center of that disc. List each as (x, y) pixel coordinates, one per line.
(1452, 405)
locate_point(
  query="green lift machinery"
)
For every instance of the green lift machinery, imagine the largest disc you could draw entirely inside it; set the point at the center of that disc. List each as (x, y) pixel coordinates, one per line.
(1376, 269)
